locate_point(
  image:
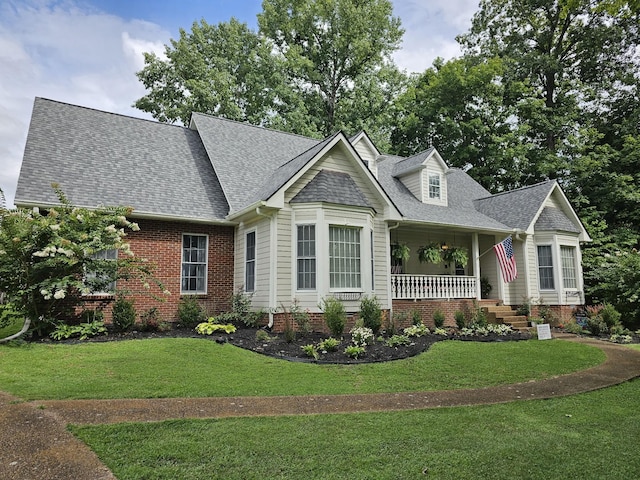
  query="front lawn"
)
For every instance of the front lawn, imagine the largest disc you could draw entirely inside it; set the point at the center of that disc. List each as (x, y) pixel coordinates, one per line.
(190, 367)
(13, 327)
(588, 436)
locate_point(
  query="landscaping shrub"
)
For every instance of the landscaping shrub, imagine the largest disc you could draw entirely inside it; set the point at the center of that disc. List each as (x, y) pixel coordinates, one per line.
(397, 340)
(334, 315)
(83, 330)
(525, 308)
(311, 351)
(190, 312)
(610, 316)
(460, 320)
(211, 326)
(354, 351)
(123, 314)
(438, 318)
(329, 345)
(371, 313)
(416, 317)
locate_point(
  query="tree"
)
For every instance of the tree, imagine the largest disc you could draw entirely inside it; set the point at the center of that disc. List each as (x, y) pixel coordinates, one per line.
(225, 70)
(329, 47)
(562, 49)
(313, 68)
(48, 259)
(458, 107)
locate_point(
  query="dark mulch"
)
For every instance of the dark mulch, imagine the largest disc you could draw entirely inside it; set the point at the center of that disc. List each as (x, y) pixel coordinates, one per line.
(277, 346)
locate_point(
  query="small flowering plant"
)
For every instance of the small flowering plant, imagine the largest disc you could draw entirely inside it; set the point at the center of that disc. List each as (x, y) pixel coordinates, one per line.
(361, 336)
(50, 259)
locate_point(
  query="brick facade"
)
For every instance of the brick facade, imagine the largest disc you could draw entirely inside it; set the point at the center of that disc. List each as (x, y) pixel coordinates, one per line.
(160, 242)
(428, 307)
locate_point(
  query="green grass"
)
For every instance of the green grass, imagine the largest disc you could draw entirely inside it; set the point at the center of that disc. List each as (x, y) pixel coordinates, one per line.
(202, 368)
(588, 436)
(635, 346)
(13, 327)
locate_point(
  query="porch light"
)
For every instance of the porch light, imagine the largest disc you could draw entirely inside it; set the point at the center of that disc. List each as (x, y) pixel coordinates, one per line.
(444, 246)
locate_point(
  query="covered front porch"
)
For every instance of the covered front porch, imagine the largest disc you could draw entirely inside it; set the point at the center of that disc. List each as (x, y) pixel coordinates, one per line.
(441, 264)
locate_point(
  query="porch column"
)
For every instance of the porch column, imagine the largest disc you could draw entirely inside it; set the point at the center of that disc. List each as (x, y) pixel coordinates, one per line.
(475, 250)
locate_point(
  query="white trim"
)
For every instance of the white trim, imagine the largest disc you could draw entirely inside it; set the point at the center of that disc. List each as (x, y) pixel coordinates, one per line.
(206, 263)
(247, 232)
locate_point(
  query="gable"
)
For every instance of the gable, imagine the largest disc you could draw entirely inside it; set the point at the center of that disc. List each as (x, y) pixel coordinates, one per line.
(366, 149)
(554, 219)
(346, 168)
(424, 175)
(332, 187)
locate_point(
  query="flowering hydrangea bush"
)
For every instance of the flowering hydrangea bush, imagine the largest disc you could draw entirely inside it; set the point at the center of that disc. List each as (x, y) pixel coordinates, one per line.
(49, 259)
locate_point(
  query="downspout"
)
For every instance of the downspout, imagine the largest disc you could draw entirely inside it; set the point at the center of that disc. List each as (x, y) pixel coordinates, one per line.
(273, 261)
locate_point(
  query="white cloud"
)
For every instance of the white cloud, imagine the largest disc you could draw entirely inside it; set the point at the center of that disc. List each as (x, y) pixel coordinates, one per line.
(431, 27)
(68, 51)
(65, 52)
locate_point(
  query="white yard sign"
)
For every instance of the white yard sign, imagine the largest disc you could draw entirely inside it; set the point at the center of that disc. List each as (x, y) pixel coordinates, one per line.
(544, 331)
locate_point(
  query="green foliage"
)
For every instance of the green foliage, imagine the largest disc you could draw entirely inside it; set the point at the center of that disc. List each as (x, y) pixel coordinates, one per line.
(485, 287)
(431, 253)
(263, 336)
(82, 331)
(610, 316)
(9, 315)
(328, 345)
(311, 351)
(150, 321)
(45, 257)
(401, 251)
(371, 313)
(334, 315)
(313, 68)
(416, 316)
(212, 326)
(123, 314)
(190, 312)
(460, 319)
(417, 330)
(479, 317)
(573, 327)
(397, 340)
(525, 307)
(438, 318)
(301, 317)
(354, 351)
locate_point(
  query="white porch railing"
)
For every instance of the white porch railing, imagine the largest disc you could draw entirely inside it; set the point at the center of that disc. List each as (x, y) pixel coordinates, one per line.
(433, 286)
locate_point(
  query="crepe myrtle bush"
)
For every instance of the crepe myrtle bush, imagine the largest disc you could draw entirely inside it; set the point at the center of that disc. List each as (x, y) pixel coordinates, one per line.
(50, 259)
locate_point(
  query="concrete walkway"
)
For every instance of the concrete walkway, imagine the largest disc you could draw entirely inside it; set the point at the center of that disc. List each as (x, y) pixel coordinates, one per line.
(34, 443)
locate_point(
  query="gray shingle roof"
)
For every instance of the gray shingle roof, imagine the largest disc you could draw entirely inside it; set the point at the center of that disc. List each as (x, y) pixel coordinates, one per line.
(516, 208)
(282, 174)
(554, 219)
(462, 190)
(332, 187)
(407, 164)
(245, 156)
(105, 158)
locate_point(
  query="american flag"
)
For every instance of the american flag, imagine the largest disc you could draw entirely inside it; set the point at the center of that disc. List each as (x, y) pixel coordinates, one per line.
(504, 252)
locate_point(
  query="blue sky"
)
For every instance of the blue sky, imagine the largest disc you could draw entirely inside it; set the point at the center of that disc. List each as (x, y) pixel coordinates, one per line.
(86, 52)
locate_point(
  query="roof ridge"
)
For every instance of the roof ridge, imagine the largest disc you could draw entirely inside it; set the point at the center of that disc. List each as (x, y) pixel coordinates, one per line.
(149, 120)
(326, 140)
(246, 124)
(526, 187)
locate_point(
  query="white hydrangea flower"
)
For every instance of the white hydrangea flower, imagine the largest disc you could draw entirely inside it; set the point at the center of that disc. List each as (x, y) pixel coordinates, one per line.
(123, 220)
(54, 227)
(59, 295)
(36, 210)
(111, 228)
(135, 227)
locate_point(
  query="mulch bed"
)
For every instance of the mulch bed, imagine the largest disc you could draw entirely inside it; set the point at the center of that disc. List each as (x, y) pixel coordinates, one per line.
(277, 346)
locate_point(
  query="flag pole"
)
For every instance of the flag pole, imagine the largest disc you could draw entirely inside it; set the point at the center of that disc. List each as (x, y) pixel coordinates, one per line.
(489, 249)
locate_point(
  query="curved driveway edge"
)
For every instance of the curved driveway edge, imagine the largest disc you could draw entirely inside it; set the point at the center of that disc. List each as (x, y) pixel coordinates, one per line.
(36, 445)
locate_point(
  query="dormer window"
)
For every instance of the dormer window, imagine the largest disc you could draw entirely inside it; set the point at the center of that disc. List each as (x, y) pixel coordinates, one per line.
(434, 186)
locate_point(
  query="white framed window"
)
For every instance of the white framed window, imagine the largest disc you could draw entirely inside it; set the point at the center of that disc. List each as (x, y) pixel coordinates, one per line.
(344, 257)
(545, 267)
(103, 276)
(434, 186)
(194, 263)
(250, 262)
(568, 261)
(306, 257)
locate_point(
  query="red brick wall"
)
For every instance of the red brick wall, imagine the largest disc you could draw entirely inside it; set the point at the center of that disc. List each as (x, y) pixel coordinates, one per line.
(160, 242)
(428, 307)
